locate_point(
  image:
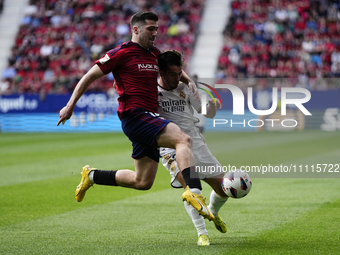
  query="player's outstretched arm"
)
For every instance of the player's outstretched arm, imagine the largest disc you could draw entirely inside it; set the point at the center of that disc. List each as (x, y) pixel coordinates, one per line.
(212, 108)
(94, 73)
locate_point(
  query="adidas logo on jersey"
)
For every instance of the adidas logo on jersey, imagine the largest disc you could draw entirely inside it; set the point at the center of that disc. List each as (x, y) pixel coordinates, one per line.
(137, 57)
(160, 94)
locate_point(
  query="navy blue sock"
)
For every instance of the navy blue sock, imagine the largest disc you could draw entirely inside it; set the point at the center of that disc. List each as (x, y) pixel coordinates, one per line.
(105, 177)
(191, 178)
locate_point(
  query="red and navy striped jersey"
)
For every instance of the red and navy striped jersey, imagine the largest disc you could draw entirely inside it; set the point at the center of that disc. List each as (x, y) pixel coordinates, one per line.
(135, 70)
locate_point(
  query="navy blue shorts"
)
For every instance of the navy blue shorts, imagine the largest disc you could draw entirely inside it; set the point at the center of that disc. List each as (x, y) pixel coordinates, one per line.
(142, 127)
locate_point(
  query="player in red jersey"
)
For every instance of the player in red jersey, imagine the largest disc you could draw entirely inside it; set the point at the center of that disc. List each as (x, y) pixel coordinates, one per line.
(134, 66)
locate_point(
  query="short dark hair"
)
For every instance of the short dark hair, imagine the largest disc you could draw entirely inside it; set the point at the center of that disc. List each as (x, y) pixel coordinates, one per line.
(170, 58)
(138, 19)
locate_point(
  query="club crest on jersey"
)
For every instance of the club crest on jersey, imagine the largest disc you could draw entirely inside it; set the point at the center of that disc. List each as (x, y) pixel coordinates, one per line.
(182, 95)
(104, 59)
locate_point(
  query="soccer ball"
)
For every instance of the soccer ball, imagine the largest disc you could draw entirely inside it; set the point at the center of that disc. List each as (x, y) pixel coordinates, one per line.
(236, 184)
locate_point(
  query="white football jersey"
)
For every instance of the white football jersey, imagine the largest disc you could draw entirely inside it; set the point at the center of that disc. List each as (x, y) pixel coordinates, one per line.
(176, 105)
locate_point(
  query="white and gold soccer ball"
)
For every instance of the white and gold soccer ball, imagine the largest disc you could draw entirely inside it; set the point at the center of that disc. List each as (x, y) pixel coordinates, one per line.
(236, 184)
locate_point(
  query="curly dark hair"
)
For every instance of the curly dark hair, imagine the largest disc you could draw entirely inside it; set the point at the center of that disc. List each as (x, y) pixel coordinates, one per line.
(170, 58)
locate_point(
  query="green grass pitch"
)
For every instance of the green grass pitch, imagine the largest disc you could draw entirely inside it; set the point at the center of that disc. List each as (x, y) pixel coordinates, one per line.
(39, 215)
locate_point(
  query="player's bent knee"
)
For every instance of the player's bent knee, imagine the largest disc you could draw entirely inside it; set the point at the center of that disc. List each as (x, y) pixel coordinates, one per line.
(188, 140)
(185, 139)
(146, 185)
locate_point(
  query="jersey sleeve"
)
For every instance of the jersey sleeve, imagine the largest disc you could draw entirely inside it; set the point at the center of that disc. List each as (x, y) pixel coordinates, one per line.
(110, 61)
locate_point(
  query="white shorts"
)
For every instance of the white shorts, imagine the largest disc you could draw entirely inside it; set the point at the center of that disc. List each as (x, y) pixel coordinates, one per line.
(206, 164)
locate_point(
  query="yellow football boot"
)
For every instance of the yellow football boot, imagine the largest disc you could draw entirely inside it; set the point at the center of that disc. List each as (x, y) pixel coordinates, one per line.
(85, 183)
(219, 224)
(203, 240)
(198, 202)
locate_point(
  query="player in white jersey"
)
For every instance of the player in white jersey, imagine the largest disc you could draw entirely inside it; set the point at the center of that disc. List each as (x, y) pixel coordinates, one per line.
(176, 103)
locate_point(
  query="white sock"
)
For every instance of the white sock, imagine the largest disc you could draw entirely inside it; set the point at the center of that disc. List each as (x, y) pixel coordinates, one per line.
(216, 202)
(196, 191)
(197, 219)
(91, 175)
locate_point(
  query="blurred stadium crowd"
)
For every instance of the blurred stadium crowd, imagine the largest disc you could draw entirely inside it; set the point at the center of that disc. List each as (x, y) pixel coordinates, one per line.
(298, 41)
(59, 40)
